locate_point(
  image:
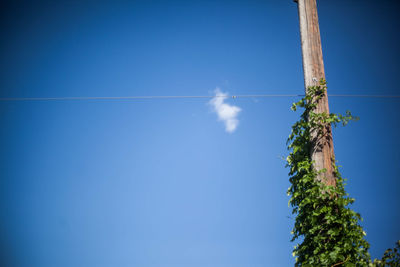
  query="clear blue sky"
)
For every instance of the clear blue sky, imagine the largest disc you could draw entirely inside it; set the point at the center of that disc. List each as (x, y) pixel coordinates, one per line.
(154, 183)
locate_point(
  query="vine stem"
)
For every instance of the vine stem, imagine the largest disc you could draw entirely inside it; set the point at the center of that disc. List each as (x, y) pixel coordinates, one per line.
(336, 264)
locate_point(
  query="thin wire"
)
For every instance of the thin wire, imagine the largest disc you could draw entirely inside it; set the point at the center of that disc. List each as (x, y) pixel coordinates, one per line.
(178, 97)
(371, 96)
(133, 97)
(95, 98)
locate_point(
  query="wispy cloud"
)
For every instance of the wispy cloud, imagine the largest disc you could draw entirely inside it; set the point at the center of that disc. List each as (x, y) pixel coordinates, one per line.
(225, 112)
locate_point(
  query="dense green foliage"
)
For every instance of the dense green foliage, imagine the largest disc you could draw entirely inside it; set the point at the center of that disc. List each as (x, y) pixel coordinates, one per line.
(328, 230)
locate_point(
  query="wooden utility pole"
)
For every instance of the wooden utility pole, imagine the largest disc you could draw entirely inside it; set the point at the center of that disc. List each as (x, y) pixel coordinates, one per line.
(313, 66)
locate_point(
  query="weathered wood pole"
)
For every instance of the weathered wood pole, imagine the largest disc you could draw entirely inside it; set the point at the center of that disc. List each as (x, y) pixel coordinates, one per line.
(313, 66)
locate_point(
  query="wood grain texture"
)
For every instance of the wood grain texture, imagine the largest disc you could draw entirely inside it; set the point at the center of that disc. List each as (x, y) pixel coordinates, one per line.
(322, 152)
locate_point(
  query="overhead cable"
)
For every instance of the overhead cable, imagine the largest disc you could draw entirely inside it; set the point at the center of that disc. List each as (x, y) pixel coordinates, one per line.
(180, 96)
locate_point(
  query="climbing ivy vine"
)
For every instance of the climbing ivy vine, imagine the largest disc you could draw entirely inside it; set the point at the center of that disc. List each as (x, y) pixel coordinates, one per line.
(391, 257)
(327, 230)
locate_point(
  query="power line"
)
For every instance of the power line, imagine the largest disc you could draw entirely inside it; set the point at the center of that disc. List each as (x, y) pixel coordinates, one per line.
(367, 96)
(138, 97)
(179, 96)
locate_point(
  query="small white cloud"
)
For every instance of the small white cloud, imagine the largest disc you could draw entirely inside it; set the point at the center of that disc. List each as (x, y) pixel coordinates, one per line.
(225, 112)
